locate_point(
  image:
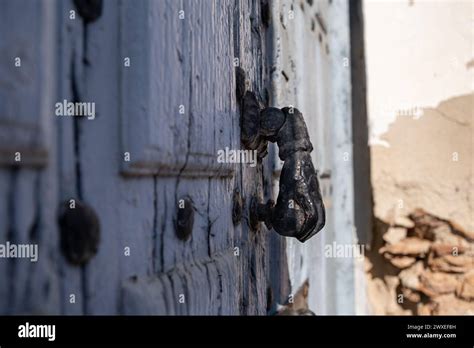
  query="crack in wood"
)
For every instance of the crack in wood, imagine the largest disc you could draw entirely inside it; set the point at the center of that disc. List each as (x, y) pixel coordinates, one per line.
(76, 130)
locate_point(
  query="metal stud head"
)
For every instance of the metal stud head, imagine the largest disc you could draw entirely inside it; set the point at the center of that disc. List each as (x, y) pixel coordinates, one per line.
(89, 10)
(185, 219)
(79, 232)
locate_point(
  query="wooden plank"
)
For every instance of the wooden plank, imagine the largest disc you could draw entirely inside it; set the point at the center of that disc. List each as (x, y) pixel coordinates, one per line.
(22, 219)
(44, 284)
(28, 211)
(322, 53)
(214, 277)
(26, 80)
(301, 76)
(169, 134)
(125, 207)
(34, 285)
(341, 134)
(70, 45)
(212, 110)
(250, 49)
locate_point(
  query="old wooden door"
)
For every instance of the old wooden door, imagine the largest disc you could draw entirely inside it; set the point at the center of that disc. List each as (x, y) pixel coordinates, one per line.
(161, 77)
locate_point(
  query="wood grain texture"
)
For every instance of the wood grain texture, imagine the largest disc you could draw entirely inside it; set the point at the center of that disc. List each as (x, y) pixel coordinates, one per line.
(22, 218)
(173, 107)
(343, 172)
(29, 194)
(201, 77)
(26, 84)
(300, 78)
(222, 268)
(309, 73)
(125, 209)
(161, 294)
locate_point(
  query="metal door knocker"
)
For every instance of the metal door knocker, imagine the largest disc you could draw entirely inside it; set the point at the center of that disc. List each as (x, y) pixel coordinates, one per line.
(299, 211)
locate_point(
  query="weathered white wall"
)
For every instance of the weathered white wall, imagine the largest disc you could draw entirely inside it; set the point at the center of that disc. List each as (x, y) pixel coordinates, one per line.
(418, 52)
(420, 67)
(420, 95)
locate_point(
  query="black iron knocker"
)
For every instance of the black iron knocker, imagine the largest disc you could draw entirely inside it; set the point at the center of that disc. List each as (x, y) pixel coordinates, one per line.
(299, 211)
